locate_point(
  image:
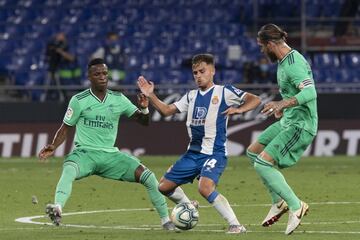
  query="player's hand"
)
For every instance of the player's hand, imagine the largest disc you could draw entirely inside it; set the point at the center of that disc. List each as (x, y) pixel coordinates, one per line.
(274, 107)
(145, 86)
(278, 114)
(232, 111)
(46, 152)
(142, 100)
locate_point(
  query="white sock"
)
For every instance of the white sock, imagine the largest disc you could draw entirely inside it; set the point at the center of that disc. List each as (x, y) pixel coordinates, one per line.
(222, 205)
(165, 220)
(59, 206)
(178, 196)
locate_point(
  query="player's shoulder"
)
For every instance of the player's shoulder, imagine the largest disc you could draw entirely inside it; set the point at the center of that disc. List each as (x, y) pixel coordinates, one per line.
(233, 89)
(293, 58)
(82, 95)
(115, 93)
(192, 93)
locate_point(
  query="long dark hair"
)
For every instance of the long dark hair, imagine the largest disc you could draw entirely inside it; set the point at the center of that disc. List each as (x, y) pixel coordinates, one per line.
(271, 32)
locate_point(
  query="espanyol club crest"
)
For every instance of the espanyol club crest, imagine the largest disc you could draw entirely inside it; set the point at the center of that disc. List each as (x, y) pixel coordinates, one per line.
(215, 100)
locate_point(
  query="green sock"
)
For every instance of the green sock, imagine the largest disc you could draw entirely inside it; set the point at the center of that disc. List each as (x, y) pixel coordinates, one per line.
(64, 186)
(149, 180)
(276, 181)
(275, 198)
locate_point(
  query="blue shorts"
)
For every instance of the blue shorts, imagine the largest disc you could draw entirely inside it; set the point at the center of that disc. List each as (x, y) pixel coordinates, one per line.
(194, 164)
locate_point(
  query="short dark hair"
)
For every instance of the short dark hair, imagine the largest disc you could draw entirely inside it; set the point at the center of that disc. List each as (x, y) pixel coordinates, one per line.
(95, 61)
(271, 32)
(204, 57)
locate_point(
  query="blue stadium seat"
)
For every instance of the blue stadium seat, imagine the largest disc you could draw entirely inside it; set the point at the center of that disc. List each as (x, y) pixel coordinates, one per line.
(134, 61)
(159, 36)
(154, 75)
(178, 76)
(230, 77)
(350, 60)
(329, 60)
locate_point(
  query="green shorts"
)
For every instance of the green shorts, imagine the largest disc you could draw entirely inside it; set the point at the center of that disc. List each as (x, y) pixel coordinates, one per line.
(113, 165)
(285, 145)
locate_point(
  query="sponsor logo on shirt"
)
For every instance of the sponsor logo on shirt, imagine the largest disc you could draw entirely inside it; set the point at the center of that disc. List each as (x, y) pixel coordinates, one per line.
(200, 115)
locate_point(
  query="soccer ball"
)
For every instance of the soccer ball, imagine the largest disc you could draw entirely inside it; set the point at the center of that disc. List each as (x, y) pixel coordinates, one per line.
(185, 216)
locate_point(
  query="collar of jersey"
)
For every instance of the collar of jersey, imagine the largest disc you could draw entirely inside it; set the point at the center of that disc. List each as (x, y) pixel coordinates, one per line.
(291, 50)
(98, 98)
(206, 91)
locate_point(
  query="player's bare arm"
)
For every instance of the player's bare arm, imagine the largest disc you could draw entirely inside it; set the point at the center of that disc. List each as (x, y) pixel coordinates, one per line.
(59, 138)
(142, 115)
(251, 101)
(147, 88)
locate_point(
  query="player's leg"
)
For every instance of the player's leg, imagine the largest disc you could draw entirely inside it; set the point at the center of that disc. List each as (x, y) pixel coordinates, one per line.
(212, 168)
(124, 167)
(252, 152)
(76, 165)
(147, 178)
(279, 206)
(284, 150)
(183, 171)
(171, 190)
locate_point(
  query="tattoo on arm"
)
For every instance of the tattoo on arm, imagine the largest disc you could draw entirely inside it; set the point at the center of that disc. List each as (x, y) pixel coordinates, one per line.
(286, 103)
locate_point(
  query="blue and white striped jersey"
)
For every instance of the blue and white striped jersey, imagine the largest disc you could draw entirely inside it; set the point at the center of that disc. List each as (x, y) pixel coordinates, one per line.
(205, 122)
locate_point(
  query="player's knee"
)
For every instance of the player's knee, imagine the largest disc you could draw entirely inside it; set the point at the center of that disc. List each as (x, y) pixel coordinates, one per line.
(164, 190)
(205, 191)
(69, 171)
(255, 148)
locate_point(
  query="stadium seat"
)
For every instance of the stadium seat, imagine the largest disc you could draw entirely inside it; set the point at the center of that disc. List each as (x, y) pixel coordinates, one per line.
(351, 60)
(230, 77)
(329, 60)
(158, 34)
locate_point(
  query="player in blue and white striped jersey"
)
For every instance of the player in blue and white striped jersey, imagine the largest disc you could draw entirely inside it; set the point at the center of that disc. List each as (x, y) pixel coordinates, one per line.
(208, 109)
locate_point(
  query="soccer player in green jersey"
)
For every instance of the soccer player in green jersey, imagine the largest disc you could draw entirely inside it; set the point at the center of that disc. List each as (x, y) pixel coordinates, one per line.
(283, 142)
(95, 113)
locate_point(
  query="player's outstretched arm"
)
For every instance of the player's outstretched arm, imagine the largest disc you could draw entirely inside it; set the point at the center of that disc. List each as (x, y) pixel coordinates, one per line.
(59, 138)
(147, 88)
(251, 101)
(142, 115)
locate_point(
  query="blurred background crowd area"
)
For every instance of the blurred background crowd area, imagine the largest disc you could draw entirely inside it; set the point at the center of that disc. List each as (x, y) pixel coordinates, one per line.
(45, 44)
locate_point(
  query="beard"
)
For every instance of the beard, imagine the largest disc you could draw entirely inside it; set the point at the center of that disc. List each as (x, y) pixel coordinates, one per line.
(271, 56)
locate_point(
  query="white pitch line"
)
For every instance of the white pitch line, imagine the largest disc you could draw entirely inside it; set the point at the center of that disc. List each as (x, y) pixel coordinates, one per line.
(30, 220)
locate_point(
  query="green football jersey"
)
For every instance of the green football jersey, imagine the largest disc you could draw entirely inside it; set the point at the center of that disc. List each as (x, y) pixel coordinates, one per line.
(294, 73)
(97, 121)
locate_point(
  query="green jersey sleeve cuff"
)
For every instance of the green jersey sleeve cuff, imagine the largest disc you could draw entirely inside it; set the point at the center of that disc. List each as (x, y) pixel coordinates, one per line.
(67, 123)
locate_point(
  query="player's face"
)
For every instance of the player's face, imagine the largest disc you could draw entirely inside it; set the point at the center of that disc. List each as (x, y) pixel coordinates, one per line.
(266, 49)
(98, 76)
(203, 74)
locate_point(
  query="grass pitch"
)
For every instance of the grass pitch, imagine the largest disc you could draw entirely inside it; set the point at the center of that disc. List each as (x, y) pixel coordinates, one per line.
(106, 209)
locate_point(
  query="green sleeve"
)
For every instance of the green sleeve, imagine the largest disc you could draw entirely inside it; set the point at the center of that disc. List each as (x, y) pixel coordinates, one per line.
(306, 95)
(73, 112)
(298, 72)
(129, 107)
